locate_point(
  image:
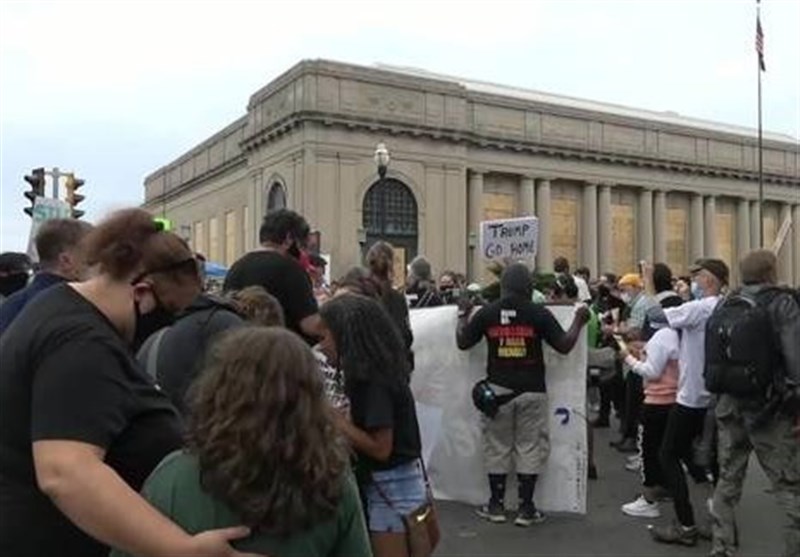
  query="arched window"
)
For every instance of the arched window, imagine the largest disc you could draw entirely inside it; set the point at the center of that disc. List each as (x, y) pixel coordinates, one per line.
(390, 214)
(276, 198)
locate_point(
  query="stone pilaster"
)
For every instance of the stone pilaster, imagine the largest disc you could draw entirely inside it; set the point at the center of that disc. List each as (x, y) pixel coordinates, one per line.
(527, 196)
(645, 225)
(743, 241)
(710, 228)
(660, 226)
(544, 257)
(589, 230)
(604, 227)
(785, 254)
(475, 203)
(755, 225)
(696, 229)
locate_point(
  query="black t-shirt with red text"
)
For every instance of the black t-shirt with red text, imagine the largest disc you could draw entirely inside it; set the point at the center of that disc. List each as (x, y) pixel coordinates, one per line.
(514, 329)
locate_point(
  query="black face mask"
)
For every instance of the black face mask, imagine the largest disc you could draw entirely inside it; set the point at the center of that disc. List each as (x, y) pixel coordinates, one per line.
(12, 283)
(149, 323)
(294, 250)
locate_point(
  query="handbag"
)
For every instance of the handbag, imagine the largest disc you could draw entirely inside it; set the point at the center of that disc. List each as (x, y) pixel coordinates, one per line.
(422, 523)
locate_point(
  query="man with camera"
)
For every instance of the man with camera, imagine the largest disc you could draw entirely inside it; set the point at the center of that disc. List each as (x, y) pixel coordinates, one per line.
(513, 397)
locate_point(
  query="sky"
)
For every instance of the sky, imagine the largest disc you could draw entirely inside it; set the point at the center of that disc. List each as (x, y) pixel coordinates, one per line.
(112, 90)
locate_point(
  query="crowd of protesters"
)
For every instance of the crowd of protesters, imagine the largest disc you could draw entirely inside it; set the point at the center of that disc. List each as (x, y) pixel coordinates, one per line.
(277, 417)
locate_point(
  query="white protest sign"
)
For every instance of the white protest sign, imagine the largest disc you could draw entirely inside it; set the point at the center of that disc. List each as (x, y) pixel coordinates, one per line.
(510, 239)
(44, 209)
(451, 427)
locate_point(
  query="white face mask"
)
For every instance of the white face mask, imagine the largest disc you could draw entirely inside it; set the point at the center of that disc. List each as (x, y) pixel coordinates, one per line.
(626, 297)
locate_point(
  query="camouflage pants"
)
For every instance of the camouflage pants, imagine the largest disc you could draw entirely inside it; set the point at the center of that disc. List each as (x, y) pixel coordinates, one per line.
(778, 453)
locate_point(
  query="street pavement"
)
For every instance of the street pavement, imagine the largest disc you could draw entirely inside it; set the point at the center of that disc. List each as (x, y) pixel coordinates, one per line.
(605, 531)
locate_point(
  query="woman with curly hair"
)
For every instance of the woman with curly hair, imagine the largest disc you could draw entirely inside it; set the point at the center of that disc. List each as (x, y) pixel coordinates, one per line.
(263, 450)
(359, 336)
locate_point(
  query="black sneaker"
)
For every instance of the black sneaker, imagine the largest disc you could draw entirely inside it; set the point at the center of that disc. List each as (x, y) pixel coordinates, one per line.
(493, 512)
(674, 534)
(527, 516)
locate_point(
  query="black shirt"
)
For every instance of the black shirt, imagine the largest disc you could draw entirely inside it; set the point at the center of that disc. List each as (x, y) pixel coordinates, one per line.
(65, 374)
(281, 276)
(514, 329)
(374, 406)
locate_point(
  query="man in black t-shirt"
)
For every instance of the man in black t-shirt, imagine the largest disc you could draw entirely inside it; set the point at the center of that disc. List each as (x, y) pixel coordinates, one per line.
(276, 268)
(514, 328)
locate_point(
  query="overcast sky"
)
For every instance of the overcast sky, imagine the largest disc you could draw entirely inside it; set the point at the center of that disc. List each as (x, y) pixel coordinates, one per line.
(113, 89)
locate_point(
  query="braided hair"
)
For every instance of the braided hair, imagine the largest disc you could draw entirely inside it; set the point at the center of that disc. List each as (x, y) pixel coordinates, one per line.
(367, 341)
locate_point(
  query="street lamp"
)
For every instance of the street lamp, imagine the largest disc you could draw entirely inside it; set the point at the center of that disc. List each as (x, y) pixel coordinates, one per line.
(382, 159)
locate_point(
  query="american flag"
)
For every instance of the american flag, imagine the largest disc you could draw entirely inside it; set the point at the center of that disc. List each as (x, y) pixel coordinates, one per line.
(760, 44)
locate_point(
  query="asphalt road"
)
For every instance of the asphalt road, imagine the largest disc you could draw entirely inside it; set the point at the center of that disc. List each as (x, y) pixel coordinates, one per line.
(605, 530)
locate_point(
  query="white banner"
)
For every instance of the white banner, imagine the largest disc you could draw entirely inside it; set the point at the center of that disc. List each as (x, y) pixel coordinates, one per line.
(451, 426)
(510, 239)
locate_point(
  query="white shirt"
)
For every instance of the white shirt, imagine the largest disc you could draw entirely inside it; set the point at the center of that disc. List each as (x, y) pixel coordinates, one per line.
(584, 294)
(691, 318)
(660, 349)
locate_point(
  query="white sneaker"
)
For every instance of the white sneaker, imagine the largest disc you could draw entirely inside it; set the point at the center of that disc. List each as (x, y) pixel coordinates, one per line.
(642, 508)
(633, 465)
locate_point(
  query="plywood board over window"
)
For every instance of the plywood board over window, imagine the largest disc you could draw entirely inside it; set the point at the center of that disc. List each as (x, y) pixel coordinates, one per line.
(676, 240)
(564, 218)
(498, 206)
(199, 237)
(770, 230)
(213, 240)
(723, 227)
(623, 231)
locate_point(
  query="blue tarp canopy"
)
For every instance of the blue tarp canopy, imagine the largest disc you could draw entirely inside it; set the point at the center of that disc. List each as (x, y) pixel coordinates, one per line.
(215, 270)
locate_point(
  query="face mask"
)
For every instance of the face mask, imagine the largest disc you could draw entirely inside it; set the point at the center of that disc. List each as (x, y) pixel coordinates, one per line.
(626, 297)
(149, 323)
(13, 282)
(697, 290)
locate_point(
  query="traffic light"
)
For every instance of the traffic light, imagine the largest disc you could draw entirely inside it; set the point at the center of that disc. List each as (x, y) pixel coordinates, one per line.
(72, 198)
(36, 180)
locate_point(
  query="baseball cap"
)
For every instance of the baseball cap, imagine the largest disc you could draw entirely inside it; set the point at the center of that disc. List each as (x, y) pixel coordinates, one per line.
(631, 279)
(716, 267)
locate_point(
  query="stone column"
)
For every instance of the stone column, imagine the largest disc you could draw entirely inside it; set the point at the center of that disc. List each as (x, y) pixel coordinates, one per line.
(604, 227)
(785, 254)
(589, 230)
(660, 226)
(710, 228)
(544, 257)
(475, 202)
(527, 197)
(743, 241)
(796, 243)
(755, 225)
(645, 225)
(696, 229)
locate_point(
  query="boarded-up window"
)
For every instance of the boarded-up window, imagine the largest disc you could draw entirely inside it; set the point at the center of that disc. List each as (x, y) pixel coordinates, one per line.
(725, 237)
(564, 216)
(770, 230)
(231, 252)
(199, 237)
(213, 240)
(623, 230)
(676, 240)
(498, 206)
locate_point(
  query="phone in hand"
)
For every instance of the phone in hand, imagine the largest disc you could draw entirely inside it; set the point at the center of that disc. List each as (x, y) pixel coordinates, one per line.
(621, 343)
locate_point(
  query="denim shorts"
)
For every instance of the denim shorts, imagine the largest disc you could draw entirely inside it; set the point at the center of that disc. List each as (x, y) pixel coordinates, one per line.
(404, 487)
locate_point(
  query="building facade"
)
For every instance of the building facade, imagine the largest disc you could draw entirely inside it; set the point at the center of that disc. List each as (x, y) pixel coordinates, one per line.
(610, 185)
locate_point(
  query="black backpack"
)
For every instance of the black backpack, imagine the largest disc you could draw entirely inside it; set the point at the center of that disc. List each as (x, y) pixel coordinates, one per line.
(741, 347)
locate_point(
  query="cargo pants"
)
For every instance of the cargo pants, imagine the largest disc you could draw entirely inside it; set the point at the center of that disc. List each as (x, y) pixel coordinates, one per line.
(777, 450)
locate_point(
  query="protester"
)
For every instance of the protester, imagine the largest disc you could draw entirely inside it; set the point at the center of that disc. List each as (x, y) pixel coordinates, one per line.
(608, 307)
(759, 417)
(421, 290)
(514, 328)
(83, 426)
(657, 363)
(561, 266)
(277, 269)
(380, 260)
(318, 265)
(263, 451)
(258, 307)
(58, 244)
(174, 356)
(15, 270)
(448, 287)
(686, 419)
(360, 337)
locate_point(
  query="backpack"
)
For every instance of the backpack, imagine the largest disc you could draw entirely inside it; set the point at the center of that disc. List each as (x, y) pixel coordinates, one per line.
(741, 347)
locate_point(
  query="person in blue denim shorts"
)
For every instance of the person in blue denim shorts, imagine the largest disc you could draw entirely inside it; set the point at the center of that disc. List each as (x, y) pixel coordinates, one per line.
(359, 337)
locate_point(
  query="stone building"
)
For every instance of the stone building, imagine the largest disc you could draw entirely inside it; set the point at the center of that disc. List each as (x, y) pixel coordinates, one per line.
(610, 184)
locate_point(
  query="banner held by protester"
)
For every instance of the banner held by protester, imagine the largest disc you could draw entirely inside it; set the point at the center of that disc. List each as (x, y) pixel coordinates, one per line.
(510, 239)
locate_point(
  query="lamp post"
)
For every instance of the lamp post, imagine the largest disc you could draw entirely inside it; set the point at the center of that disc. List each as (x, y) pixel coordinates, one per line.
(382, 159)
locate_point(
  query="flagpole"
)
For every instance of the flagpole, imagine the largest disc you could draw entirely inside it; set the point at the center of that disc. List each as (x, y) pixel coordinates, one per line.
(760, 141)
